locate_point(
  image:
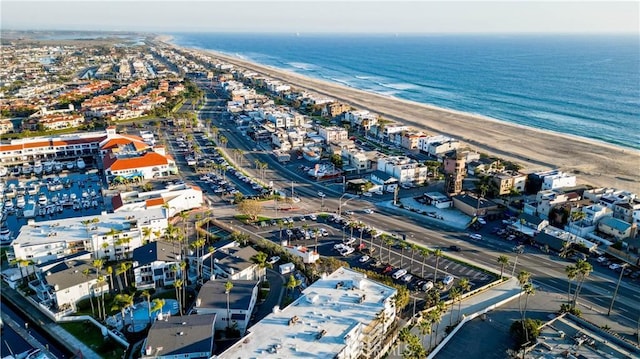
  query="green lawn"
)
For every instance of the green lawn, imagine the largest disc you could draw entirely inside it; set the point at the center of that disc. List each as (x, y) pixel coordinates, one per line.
(91, 336)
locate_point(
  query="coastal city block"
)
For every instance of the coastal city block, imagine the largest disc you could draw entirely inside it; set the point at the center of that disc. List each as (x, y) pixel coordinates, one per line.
(165, 202)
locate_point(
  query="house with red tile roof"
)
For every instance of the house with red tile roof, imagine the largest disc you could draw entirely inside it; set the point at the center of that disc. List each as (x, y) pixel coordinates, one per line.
(138, 166)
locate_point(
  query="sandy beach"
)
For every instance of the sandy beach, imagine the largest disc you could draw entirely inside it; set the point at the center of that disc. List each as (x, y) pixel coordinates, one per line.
(595, 163)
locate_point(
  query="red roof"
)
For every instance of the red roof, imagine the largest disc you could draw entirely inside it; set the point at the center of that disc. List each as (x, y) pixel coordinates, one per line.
(153, 202)
(117, 142)
(149, 159)
(50, 143)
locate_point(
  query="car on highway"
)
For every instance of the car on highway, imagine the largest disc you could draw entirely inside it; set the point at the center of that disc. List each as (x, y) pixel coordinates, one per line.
(321, 194)
(455, 248)
(368, 211)
(367, 194)
(476, 236)
(447, 280)
(399, 273)
(364, 259)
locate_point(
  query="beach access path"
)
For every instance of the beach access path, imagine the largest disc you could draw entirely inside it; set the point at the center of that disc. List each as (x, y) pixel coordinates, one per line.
(595, 163)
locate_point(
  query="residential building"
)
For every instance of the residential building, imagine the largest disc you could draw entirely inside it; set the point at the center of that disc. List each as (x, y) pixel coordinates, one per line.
(189, 336)
(156, 264)
(454, 173)
(233, 263)
(437, 146)
(625, 210)
(404, 169)
(384, 180)
(110, 235)
(529, 224)
(175, 198)
(509, 181)
(333, 134)
(342, 315)
(213, 299)
(558, 180)
(307, 254)
(335, 109)
(615, 227)
(411, 139)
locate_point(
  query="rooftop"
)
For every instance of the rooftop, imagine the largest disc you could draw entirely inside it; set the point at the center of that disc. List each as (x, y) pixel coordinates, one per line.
(213, 294)
(334, 306)
(181, 335)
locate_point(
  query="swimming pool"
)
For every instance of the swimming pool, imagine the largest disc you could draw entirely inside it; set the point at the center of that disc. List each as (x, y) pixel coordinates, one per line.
(140, 315)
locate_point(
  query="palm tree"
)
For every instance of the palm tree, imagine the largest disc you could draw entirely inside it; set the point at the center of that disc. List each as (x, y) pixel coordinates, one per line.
(146, 234)
(389, 242)
(260, 259)
(438, 254)
(281, 226)
(438, 312)
(147, 296)
(122, 269)
(454, 295)
(465, 286)
(572, 272)
(425, 254)
(503, 261)
(528, 290)
(413, 248)
(292, 283)
(403, 246)
(584, 268)
(211, 250)
(227, 289)
(177, 284)
(122, 302)
(185, 281)
(524, 278)
(316, 234)
(425, 328)
(156, 305)
(110, 274)
(86, 272)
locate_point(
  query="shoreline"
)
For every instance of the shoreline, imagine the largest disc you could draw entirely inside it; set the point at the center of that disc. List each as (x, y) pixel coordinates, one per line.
(594, 162)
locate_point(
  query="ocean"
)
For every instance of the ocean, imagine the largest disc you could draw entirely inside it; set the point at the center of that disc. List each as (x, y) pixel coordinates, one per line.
(583, 85)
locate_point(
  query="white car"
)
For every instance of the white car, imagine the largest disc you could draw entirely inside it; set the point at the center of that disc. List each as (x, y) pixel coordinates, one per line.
(339, 247)
(407, 278)
(447, 280)
(481, 220)
(349, 241)
(347, 251)
(320, 194)
(368, 211)
(614, 266)
(313, 217)
(367, 194)
(399, 273)
(324, 232)
(476, 236)
(364, 259)
(273, 260)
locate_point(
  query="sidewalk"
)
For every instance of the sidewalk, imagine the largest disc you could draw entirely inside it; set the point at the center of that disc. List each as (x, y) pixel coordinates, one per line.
(48, 325)
(475, 305)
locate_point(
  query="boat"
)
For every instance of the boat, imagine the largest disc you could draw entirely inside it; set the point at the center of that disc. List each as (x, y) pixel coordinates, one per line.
(48, 167)
(8, 205)
(5, 234)
(32, 189)
(15, 171)
(70, 165)
(92, 193)
(57, 167)
(67, 183)
(85, 194)
(42, 211)
(37, 168)
(3, 171)
(80, 163)
(20, 202)
(73, 196)
(59, 209)
(29, 209)
(27, 169)
(42, 199)
(94, 203)
(55, 199)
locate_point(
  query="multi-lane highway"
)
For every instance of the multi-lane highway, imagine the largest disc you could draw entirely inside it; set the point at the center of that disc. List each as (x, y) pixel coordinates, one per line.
(547, 270)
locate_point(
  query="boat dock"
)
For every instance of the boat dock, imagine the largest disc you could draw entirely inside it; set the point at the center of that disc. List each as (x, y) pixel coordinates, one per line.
(24, 333)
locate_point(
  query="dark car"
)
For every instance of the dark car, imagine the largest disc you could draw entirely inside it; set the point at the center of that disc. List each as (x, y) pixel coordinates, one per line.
(455, 248)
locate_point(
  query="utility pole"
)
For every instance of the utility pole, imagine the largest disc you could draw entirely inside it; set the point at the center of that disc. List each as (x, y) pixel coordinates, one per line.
(615, 292)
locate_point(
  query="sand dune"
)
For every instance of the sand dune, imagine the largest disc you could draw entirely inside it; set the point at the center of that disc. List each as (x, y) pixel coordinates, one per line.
(594, 162)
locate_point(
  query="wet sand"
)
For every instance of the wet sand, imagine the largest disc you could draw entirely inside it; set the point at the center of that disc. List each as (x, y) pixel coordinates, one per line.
(595, 163)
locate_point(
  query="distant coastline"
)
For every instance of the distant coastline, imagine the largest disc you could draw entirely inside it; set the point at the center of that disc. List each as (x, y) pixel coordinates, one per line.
(594, 162)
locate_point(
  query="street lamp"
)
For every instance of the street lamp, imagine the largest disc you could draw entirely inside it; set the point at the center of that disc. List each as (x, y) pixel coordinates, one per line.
(345, 202)
(518, 250)
(615, 292)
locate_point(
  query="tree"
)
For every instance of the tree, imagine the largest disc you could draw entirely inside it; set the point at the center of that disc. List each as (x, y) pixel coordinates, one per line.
(403, 246)
(280, 226)
(110, 274)
(454, 295)
(177, 285)
(123, 268)
(425, 254)
(524, 278)
(292, 284)
(260, 259)
(211, 251)
(389, 242)
(223, 141)
(425, 328)
(86, 272)
(413, 248)
(464, 286)
(227, 289)
(146, 234)
(251, 207)
(156, 305)
(147, 296)
(583, 268)
(527, 335)
(503, 261)
(438, 254)
(572, 272)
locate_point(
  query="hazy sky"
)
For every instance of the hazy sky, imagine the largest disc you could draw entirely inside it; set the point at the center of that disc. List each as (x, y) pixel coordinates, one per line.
(325, 16)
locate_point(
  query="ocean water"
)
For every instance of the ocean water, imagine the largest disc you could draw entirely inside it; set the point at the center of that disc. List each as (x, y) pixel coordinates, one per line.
(582, 85)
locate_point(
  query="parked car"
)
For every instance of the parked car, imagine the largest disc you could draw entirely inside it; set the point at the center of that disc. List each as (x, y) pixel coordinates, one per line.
(407, 278)
(614, 266)
(364, 259)
(313, 217)
(349, 241)
(481, 220)
(347, 251)
(324, 232)
(273, 260)
(367, 194)
(399, 273)
(447, 280)
(388, 269)
(426, 286)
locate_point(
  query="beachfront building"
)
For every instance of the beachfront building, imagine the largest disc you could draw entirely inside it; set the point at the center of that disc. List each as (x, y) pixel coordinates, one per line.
(333, 134)
(335, 109)
(156, 264)
(190, 336)
(361, 119)
(212, 299)
(410, 139)
(342, 315)
(437, 146)
(453, 167)
(507, 182)
(558, 180)
(175, 198)
(404, 169)
(615, 228)
(108, 235)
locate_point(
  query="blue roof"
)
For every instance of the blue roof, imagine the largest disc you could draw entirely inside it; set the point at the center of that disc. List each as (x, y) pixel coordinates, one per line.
(615, 223)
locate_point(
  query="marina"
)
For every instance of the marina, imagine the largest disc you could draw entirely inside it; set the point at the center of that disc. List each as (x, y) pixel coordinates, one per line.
(49, 197)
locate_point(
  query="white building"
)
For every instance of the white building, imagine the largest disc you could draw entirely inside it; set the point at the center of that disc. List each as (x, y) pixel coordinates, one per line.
(333, 134)
(343, 315)
(146, 165)
(156, 264)
(212, 299)
(404, 169)
(232, 263)
(558, 180)
(307, 254)
(177, 198)
(437, 145)
(111, 235)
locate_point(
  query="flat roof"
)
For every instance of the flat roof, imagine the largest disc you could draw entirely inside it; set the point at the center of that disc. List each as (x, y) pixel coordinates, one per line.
(336, 304)
(72, 229)
(213, 295)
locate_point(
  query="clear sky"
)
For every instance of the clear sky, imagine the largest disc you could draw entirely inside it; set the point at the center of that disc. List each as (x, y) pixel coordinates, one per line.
(325, 16)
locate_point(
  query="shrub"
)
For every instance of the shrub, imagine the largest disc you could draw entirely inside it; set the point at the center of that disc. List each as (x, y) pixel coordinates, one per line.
(533, 330)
